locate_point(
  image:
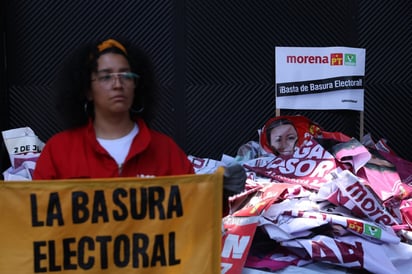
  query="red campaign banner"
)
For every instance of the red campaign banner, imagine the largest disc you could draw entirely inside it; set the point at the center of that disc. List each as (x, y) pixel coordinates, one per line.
(237, 238)
(310, 166)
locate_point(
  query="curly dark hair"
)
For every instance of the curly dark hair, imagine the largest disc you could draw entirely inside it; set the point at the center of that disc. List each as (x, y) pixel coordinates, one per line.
(75, 81)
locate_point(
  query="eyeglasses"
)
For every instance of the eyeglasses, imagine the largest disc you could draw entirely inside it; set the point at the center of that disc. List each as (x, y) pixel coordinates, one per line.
(125, 78)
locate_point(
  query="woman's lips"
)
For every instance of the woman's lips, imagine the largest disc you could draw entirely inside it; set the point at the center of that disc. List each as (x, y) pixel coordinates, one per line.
(118, 98)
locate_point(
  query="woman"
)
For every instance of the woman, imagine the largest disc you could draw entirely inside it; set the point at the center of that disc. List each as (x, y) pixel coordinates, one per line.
(282, 135)
(105, 100)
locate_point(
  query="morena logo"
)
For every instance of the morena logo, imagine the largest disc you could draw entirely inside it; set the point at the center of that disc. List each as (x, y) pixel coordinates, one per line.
(335, 59)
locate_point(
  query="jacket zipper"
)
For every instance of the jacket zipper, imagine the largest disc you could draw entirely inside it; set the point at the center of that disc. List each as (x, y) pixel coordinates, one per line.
(120, 168)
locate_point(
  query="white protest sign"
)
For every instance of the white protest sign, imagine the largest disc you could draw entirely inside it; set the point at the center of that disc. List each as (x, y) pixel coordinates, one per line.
(319, 78)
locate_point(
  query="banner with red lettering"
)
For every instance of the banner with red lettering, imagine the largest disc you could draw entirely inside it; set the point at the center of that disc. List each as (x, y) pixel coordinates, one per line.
(280, 225)
(310, 166)
(155, 225)
(237, 238)
(319, 78)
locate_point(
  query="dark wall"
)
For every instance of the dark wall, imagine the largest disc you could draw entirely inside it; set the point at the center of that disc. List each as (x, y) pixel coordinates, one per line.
(230, 63)
(385, 31)
(214, 62)
(4, 161)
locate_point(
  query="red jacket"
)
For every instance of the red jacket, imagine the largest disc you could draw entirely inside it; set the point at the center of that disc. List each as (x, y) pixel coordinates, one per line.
(77, 154)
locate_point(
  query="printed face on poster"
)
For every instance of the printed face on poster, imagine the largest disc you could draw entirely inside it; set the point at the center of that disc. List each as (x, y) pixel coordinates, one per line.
(319, 78)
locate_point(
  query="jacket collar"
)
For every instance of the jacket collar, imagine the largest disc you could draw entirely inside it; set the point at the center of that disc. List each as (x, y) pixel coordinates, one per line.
(140, 142)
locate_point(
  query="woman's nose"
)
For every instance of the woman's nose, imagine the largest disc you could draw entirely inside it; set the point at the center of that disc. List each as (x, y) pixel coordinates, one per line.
(283, 143)
(117, 81)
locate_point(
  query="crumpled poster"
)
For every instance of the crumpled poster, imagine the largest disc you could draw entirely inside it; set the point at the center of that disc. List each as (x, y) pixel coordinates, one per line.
(24, 148)
(347, 213)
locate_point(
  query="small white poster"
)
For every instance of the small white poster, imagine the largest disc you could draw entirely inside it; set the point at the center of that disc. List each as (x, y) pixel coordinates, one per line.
(319, 78)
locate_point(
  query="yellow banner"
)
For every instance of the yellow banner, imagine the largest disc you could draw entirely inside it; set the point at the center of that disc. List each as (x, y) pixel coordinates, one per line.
(159, 225)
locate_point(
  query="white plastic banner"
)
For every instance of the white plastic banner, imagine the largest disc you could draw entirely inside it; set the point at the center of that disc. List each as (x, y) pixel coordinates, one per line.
(319, 78)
